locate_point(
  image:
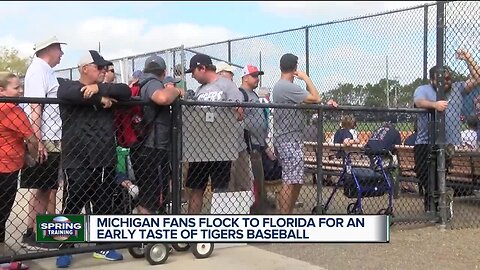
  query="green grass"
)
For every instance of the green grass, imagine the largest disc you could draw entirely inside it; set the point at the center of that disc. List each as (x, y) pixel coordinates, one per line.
(366, 126)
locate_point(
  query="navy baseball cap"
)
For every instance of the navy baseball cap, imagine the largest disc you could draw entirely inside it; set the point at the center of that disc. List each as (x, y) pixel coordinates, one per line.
(198, 60)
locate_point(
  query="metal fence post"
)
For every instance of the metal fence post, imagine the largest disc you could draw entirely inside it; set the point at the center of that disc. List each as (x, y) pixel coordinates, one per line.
(425, 42)
(71, 74)
(319, 151)
(229, 43)
(307, 52)
(440, 78)
(177, 150)
(176, 157)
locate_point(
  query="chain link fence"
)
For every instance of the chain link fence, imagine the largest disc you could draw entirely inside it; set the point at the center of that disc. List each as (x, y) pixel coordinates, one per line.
(383, 61)
(462, 91)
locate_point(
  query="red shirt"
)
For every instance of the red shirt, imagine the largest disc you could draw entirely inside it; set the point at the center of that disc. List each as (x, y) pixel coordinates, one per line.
(126, 136)
(14, 128)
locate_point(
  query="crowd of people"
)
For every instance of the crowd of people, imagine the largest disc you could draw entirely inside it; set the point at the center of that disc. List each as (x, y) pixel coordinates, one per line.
(91, 146)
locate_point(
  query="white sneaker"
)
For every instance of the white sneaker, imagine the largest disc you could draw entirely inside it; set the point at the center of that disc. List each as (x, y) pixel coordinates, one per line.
(133, 191)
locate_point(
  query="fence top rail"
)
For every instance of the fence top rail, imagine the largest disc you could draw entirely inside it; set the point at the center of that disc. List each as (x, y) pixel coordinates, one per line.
(146, 54)
(316, 25)
(25, 100)
(135, 101)
(300, 106)
(270, 33)
(215, 58)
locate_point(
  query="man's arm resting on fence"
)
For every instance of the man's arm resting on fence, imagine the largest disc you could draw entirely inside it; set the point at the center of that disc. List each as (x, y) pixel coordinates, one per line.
(440, 105)
(72, 91)
(167, 95)
(118, 91)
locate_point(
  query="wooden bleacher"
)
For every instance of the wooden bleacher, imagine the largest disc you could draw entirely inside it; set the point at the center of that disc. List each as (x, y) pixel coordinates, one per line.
(463, 172)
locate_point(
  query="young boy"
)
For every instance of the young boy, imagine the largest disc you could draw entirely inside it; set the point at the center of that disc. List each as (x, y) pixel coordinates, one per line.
(469, 136)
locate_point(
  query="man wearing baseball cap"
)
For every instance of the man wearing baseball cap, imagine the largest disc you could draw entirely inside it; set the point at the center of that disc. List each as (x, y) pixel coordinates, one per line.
(213, 135)
(42, 179)
(256, 125)
(150, 157)
(88, 143)
(225, 70)
(289, 127)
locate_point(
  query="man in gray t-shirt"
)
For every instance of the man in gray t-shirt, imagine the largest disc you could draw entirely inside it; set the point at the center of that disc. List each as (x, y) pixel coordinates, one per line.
(425, 96)
(212, 136)
(288, 125)
(149, 156)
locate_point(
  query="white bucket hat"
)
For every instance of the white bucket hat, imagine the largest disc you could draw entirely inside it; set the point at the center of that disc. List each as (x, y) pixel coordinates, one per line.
(45, 43)
(222, 66)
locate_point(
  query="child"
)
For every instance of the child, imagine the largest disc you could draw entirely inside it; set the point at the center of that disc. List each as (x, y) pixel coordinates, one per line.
(15, 130)
(469, 136)
(123, 176)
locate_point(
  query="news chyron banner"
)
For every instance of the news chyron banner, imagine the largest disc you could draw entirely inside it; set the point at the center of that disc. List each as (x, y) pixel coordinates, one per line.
(214, 228)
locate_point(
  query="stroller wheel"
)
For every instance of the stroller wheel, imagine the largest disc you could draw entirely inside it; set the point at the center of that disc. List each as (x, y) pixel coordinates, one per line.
(202, 250)
(137, 252)
(391, 219)
(388, 212)
(322, 210)
(352, 209)
(157, 253)
(181, 246)
(382, 211)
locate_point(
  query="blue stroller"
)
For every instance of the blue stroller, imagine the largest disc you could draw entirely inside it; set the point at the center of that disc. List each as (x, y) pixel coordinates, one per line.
(359, 183)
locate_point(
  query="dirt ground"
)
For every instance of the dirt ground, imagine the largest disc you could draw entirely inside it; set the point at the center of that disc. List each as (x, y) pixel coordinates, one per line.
(427, 247)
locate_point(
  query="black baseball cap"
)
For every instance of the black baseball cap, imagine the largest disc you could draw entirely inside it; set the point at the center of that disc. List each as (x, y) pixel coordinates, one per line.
(198, 60)
(93, 57)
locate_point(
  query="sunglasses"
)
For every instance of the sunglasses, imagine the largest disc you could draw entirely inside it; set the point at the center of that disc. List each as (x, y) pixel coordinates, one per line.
(98, 67)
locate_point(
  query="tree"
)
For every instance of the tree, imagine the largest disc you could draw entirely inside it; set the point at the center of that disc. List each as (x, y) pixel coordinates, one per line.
(12, 62)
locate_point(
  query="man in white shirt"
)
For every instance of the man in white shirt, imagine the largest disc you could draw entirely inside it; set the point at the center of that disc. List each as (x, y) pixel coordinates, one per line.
(41, 82)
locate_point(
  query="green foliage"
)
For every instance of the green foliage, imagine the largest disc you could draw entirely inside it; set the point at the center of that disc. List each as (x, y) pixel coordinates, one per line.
(12, 62)
(374, 95)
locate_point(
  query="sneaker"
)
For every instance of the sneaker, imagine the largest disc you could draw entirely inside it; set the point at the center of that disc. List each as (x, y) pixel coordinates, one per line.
(14, 265)
(109, 255)
(64, 261)
(30, 241)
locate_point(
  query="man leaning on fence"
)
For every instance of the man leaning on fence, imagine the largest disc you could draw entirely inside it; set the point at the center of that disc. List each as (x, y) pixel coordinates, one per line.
(41, 82)
(150, 155)
(88, 143)
(289, 126)
(213, 136)
(425, 96)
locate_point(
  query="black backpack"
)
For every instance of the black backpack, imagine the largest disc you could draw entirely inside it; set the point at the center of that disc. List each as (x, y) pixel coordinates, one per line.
(272, 170)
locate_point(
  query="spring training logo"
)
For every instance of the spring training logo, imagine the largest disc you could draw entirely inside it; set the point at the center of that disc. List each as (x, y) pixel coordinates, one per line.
(60, 228)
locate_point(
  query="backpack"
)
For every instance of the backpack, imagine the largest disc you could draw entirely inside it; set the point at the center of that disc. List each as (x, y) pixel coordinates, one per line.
(272, 169)
(134, 123)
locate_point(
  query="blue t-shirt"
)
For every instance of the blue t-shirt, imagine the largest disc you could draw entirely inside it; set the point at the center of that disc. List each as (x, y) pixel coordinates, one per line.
(452, 114)
(341, 135)
(385, 137)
